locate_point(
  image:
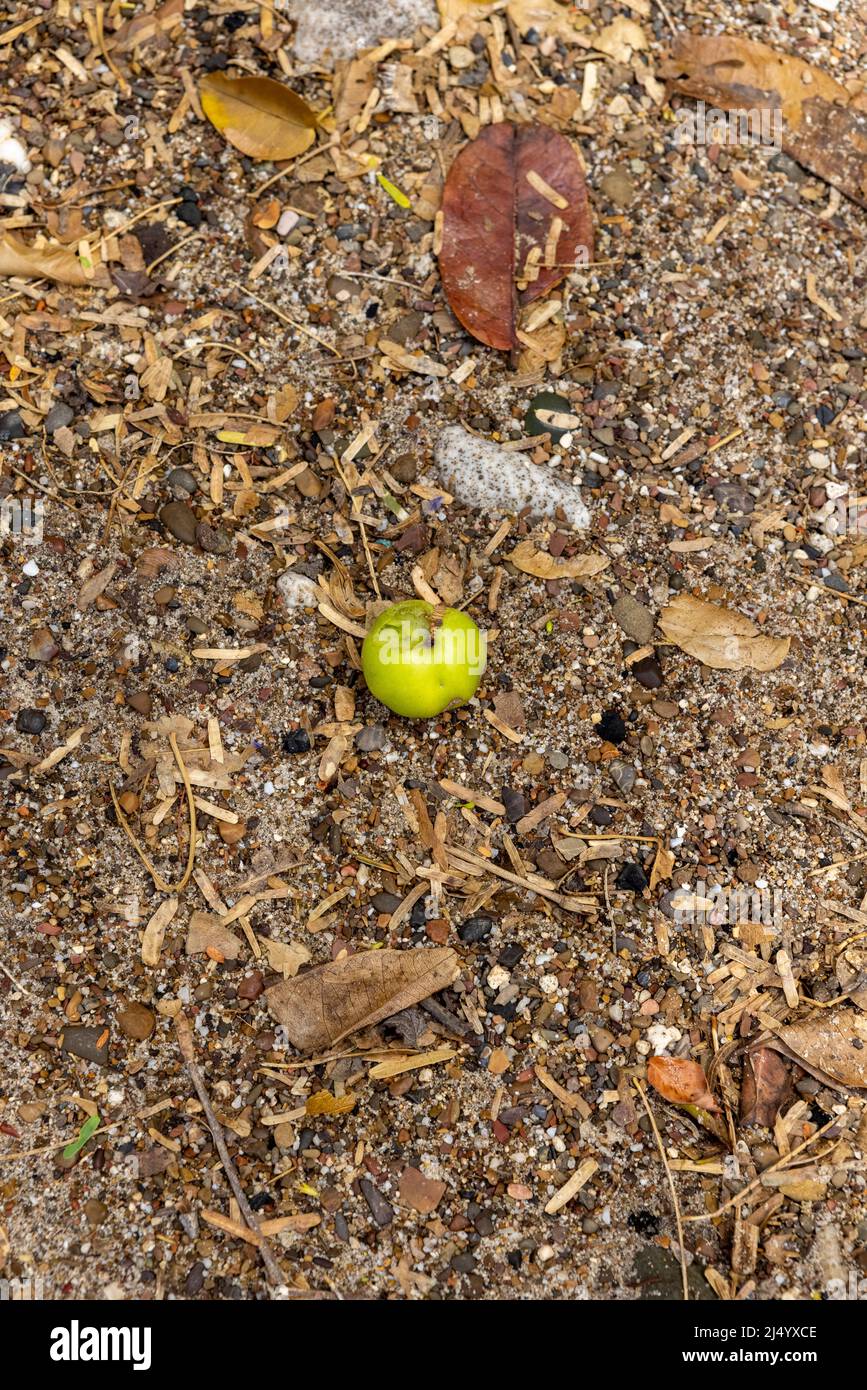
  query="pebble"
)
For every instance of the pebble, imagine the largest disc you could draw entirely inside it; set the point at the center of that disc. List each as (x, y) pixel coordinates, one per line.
(372, 739)
(295, 741)
(180, 521)
(612, 726)
(385, 902)
(623, 775)
(734, 497)
(298, 590)
(141, 702)
(95, 1212)
(381, 1210)
(421, 1193)
(11, 425)
(648, 673)
(189, 213)
(475, 930)
(183, 479)
(89, 1043)
(136, 1021)
(618, 187)
(549, 402)
(634, 619)
(514, 803)
(42, 645)
(632, 878)
(58, 417)
(213, 540)
(30, 721)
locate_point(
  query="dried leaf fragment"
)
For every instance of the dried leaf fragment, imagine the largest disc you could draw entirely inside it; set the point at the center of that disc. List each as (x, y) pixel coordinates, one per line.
(154, 932)
(544, 566)
(681, 1081)
(720, 638)
(321, 1007)
(823, 127)
(260, 117)
(766, 1087)
(831, 1044)
(42, 261)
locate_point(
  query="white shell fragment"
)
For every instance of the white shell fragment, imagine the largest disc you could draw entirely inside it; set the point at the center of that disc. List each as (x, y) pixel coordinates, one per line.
(11, 150)
(484, 475)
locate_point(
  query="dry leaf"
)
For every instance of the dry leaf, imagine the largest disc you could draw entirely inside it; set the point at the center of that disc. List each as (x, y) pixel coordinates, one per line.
(680, 1081)
(663, 864)
(93, 587)
(831, 1044)
(321, 1007)
(43, 261)
(544, 566)
(545, 16)
(620, 39)
(154, 932)
(823, 127)
(851, 971)
(324, 1103)
(260, 117)
(503, 195)
(723, 640)
(206, 933)
(766, 1087)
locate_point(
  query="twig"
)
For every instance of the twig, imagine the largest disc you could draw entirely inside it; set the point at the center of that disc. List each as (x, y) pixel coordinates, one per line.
(284, 318)
(668, 1173)
(356, 516)
(194, 236)
(18, 985)
(188, 1052)
(666, 16)
(781, 1162)
(157, 877)
(608, 912)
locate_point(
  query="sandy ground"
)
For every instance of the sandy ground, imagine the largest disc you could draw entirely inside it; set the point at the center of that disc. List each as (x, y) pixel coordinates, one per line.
(674, 330)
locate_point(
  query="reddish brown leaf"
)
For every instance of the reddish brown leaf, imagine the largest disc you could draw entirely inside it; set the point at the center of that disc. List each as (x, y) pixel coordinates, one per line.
(766, 1087)
(494, 216)
(681, 1081)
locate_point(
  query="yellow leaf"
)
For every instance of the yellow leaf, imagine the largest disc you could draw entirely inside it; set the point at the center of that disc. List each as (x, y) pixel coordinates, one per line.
(260, 117)
(400, 198)
(324, 1103)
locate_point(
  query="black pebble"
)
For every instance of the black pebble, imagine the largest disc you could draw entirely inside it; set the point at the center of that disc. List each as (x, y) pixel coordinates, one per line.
(632, 877)
(297, 741)
(612, 726)
(510, 955)
(476, 929)
(514, 804)
(189, 213)
(30, 721)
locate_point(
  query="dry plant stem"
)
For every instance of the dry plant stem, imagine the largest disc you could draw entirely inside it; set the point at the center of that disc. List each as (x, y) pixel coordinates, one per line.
(756, 1182)
(157, 877)
(284, 318)
(668, 1173)
(18, 985)
(188, 1052)
(357, 517)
